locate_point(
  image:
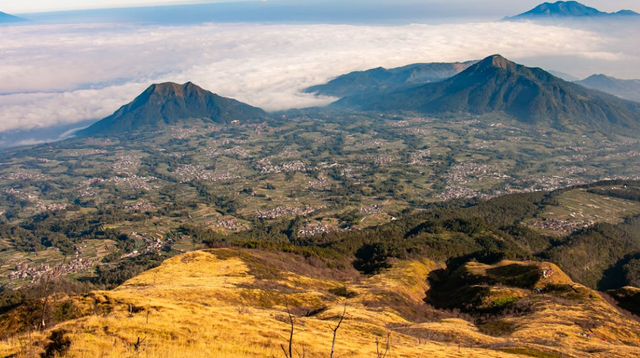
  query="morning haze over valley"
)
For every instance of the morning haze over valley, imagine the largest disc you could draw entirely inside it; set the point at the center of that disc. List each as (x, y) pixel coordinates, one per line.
(284, 178)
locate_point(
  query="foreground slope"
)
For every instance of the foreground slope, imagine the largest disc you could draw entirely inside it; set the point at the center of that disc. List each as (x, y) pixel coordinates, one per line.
(232, 303)
(496, 84)
(169, 104)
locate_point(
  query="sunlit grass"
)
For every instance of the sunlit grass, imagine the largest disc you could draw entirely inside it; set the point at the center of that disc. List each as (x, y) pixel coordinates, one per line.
(210, 304)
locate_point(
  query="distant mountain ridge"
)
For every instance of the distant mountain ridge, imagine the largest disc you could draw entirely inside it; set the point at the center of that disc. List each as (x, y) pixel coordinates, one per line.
(382, 79)
(568, 9)
(627, 89)
(170, 104)
(6, 18)
(496, 84)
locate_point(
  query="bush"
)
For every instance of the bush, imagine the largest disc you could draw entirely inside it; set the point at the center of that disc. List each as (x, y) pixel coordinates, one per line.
(343, 292)
(505, 301)
(59, 344)
(497, 328)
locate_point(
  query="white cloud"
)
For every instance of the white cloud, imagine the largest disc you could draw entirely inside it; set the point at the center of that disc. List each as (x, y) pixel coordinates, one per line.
(68, 73)
(30, 141)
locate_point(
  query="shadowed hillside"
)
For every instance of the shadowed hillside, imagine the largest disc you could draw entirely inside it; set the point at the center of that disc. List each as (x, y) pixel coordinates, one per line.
(627, 89)
(496, 84)
(382, 79)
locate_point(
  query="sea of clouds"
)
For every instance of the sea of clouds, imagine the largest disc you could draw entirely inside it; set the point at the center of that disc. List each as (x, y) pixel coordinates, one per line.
(64, 74)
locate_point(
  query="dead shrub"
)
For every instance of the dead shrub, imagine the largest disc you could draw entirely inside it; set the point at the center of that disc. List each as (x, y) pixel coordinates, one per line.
(59, 344)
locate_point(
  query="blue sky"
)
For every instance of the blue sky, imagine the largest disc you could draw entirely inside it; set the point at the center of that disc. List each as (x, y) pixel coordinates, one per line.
(28, 6)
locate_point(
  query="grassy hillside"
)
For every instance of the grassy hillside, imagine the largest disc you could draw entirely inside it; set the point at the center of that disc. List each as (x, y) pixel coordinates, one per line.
(233, 303)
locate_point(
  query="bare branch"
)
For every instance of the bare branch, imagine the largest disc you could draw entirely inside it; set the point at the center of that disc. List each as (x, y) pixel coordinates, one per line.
(136, 348)
(388, 344)
(335, 330)
(43, 312)
(386, 351)
(292, 330)
(289, 353)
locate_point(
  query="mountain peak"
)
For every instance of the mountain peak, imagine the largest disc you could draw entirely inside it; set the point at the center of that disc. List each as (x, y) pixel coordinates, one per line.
(496, 84)
(174, 89)
(497, 61)
(381, 79)
(626, 89)
(568, 9)
(5, 18)
(600, 76)
(169, 103)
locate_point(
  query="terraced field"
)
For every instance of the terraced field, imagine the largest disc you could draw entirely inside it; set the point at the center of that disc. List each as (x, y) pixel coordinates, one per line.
(579, 208)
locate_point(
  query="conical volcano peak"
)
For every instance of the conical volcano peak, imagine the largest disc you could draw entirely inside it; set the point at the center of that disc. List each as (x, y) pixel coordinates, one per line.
(497, 61)
(528, 94)
(169, 103)
(570, 10)
(5, 18)
(173, 89)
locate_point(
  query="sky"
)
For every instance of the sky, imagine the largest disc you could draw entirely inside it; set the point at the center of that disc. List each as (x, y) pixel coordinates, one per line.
(57, 75)
(29, 6)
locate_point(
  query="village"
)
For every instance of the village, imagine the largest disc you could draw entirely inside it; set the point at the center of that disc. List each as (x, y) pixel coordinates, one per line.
(135, 182)
(562, 227)
(462, 173)
(285, 211)
(125, 164)
(188, 173)
(266, 167)
(309, 229)
(140, 206)
(24, 271)
(227, 223)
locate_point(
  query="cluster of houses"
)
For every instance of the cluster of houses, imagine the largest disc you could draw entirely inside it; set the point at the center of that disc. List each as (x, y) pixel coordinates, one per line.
(188, 173)
(295, 166)
(86, 152)
(462, 173)
(134, 182)
(315, 229)
(34, 273)
(126, 163)
(419, 157)
(562, 226)
(457, 192)
(140, 206)
(231, 224)
(285, 211)
(24, 176)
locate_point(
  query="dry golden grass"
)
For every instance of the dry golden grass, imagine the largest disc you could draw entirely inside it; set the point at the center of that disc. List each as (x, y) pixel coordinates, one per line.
(214, 304)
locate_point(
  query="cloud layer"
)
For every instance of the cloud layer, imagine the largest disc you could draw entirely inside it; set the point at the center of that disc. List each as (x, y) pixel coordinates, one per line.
(61, 74)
